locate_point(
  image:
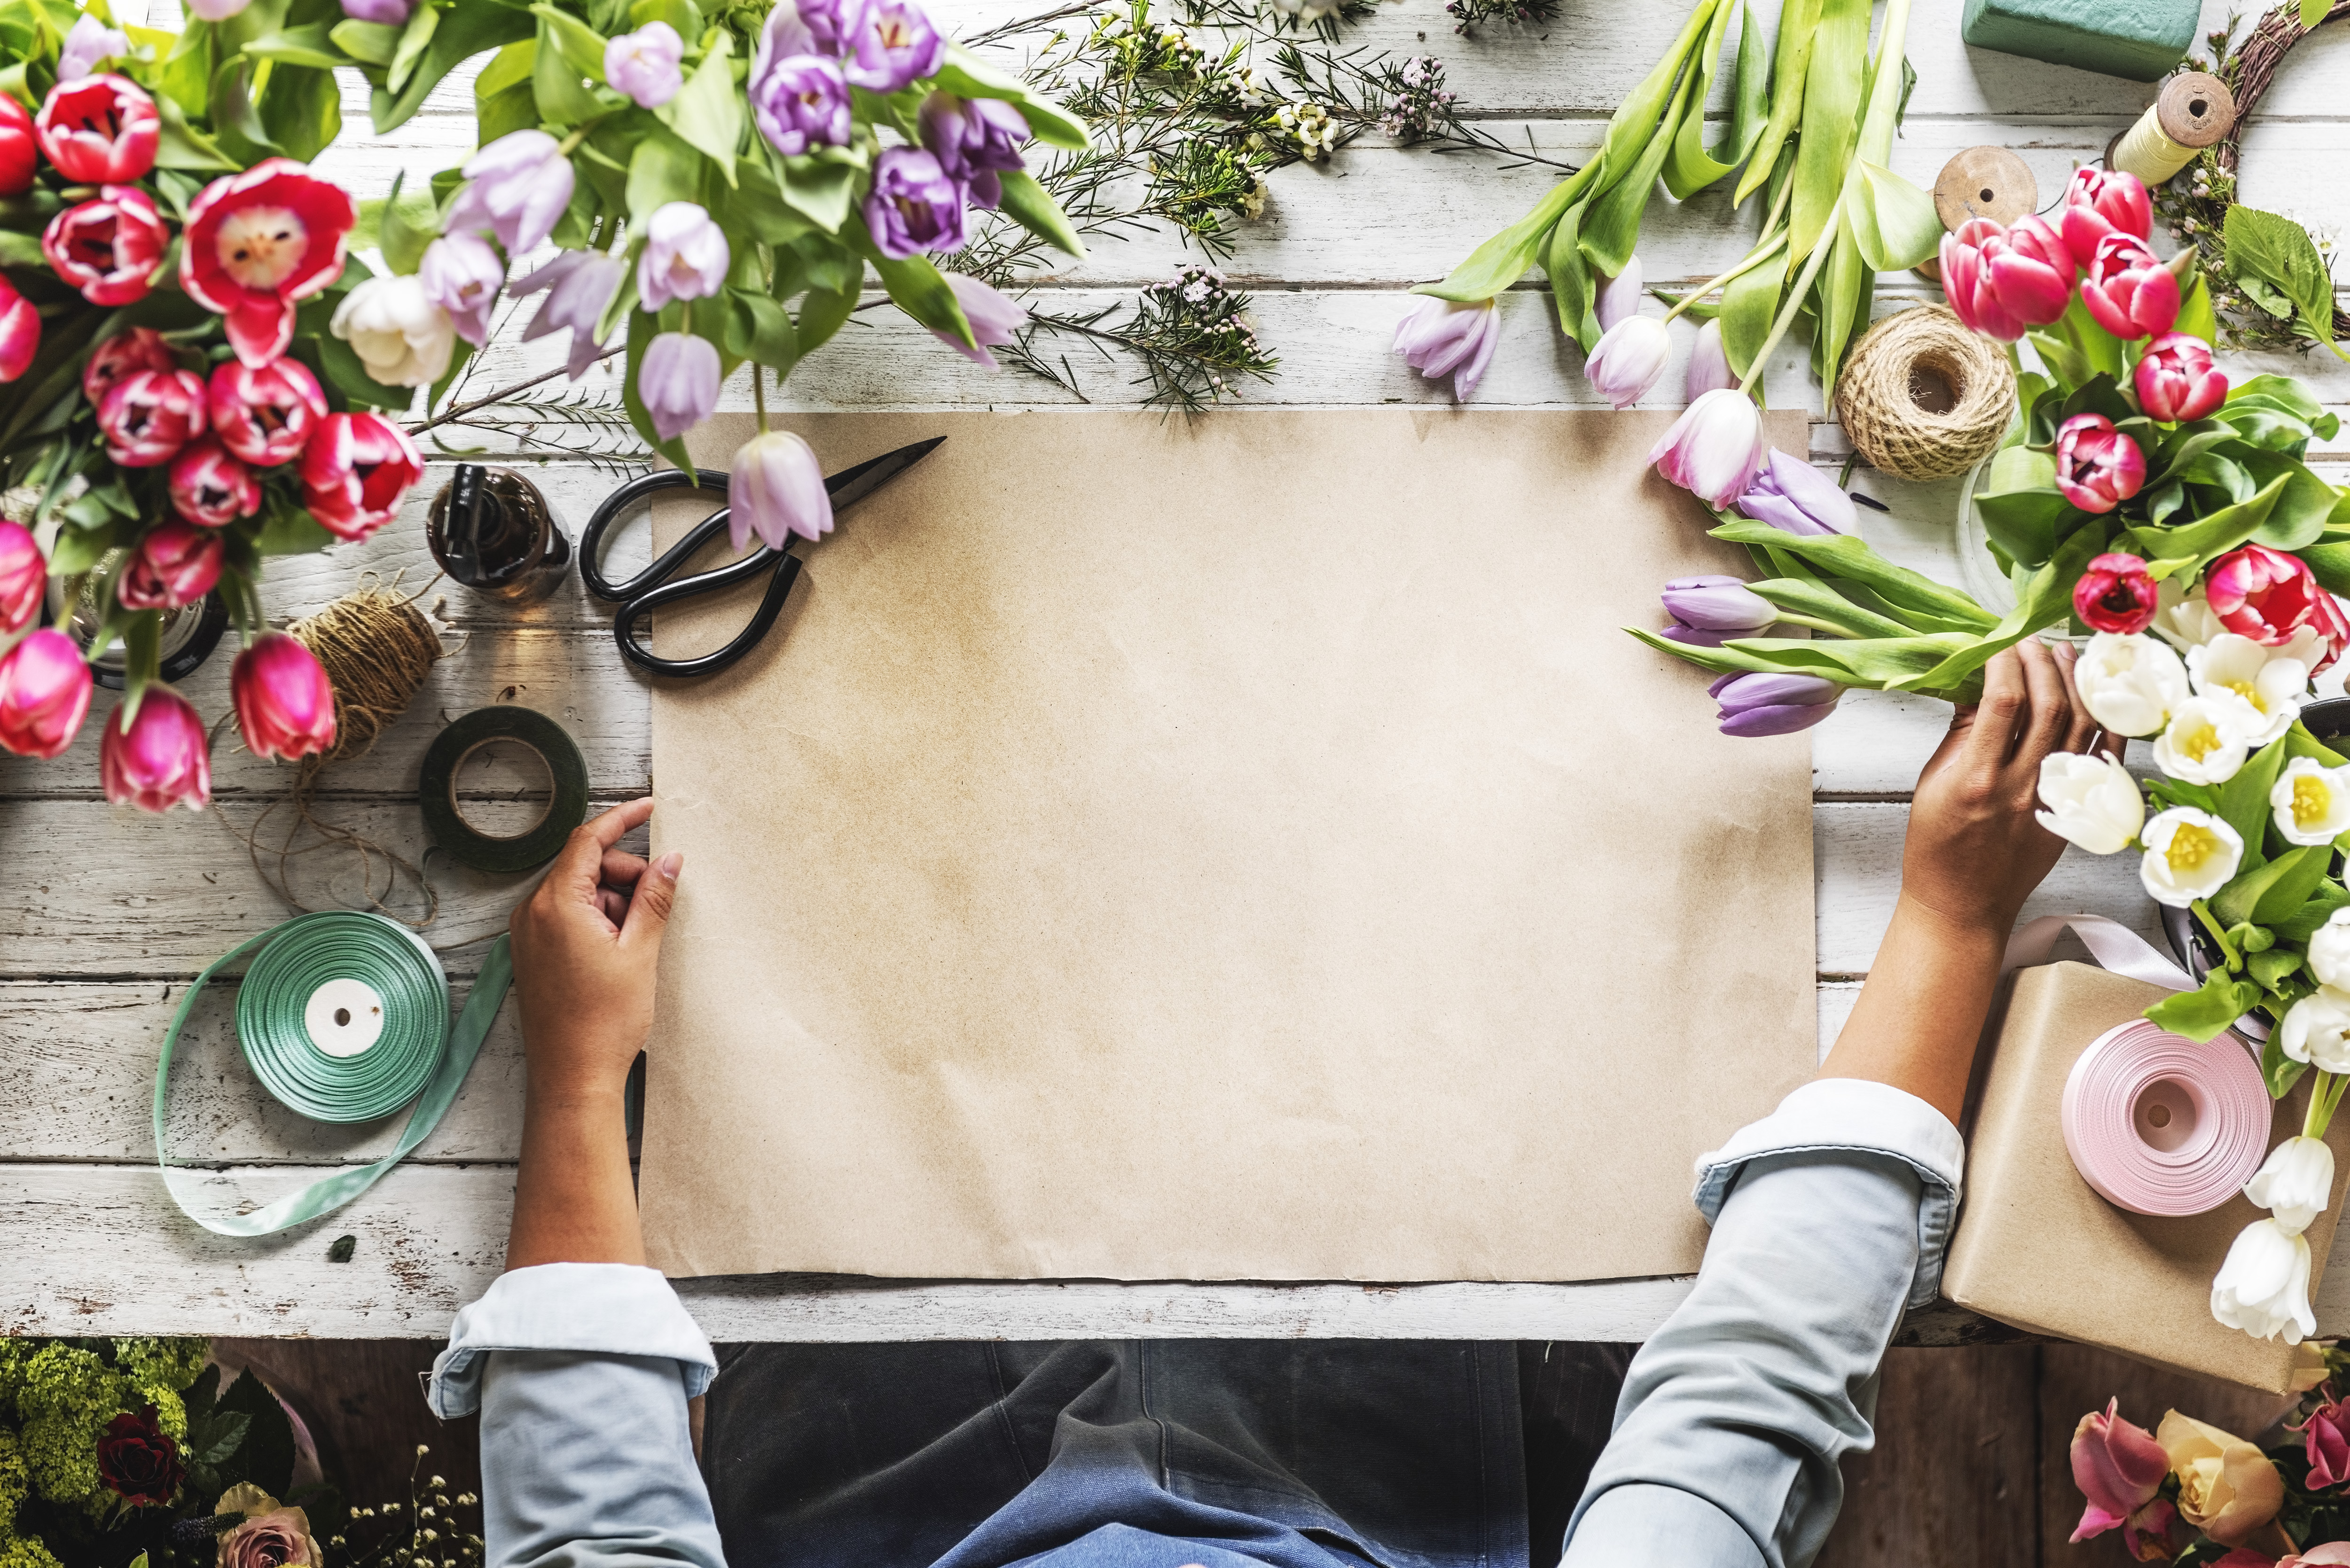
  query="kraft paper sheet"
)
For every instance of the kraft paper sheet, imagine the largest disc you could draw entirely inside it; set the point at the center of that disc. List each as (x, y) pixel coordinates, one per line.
(1240, 849)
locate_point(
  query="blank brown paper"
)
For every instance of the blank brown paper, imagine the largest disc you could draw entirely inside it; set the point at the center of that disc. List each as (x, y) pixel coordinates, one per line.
(1240, 849)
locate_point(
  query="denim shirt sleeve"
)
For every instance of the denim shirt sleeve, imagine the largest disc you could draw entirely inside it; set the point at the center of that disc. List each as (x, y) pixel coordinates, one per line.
(1830, 1217)
(581, 1372)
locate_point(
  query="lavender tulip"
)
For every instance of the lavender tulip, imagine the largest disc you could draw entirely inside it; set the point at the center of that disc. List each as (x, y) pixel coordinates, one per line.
(89, 44)
(1444, 336)
(915, 204)
(1714, 448)
(1628, 359)
(830, 27)
(578, 285)
(893, 44)
(518, 185)
(685, 256)
(461, 274)
(1717, 604)
(677, 381)
(994, 320)
(1708, 366)
(382, 13)
(645, 63)
(799, 98)
(976, 139)
(1794, 497)
(777, 490)
(1773, 704)
(1620, 297)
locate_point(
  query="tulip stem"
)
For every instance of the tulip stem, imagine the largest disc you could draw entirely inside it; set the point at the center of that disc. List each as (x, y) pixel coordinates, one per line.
(2235, 960)
(759, 395)
(2324, 1098)
(1793, 307)
(563, 148)
(1755, 259)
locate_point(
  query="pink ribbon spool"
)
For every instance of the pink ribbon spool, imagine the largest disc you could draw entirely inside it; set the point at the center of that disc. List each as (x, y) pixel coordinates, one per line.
(2160, 1125)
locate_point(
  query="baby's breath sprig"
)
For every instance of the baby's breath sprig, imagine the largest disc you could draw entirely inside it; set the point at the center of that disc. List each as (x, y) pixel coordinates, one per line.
(434, 1529)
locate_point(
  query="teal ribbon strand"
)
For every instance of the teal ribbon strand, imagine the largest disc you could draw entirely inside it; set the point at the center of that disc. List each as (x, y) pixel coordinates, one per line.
(416, 1057)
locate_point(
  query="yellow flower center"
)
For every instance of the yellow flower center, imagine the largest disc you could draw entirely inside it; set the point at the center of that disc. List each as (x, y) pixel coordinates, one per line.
(2200, 743)
(2312, 802)
(261, 246)
(2190, 845)
(2248, 692)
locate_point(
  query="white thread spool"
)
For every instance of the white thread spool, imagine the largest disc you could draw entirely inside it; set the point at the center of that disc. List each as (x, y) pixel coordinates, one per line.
(2193, 110)
(344, 1017)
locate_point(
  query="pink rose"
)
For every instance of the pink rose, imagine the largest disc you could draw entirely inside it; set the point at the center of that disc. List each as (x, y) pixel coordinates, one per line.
(270, 1536)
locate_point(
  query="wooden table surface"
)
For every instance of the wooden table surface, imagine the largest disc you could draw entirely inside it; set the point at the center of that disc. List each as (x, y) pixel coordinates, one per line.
(105, 914)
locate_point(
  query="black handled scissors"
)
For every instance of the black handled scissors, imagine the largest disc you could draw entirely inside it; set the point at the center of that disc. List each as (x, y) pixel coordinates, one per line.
(652, 587)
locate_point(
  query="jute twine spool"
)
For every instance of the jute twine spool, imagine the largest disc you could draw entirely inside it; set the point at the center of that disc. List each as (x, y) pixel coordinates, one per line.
(1882, 397)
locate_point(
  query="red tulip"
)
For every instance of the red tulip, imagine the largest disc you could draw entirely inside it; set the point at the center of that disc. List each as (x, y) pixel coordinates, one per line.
(209, 487)
(138, 348)
(2115, 595)
(23, 578)
(99, 130)
(2101, 201)
(44, 690)
(151, 415)
(283, 705)
(20, 329)
(2177, 380)
(2262, 594)
(2128, 289)
(176, 563)
(2333, 628)
(162, 760)
(2002, 281)
(265, 416)
(259, 241)
(109, 248)
(19, 157)
(355, 471)
(2097, 467)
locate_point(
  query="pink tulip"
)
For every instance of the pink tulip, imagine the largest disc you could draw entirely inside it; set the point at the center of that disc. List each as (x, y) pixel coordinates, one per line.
(285, 706)
(108, 248)
(2326, 619)
(149, 415)
(44, 690)
(176, 563)
(1443, 338)
(264, 416)
(2118, 1466)
(777, 490)
(2128, 290)
(162, 760)
(20, 332)
(1715, 449)
(1628, 360)
(995, 319)
(1708, 366)
(2177, 380)
(2262, 594)
(99, 129)
(2001, 282)
(211, 488)
(2097, 467)
(23, 578)
(2101, 201)
(356, 470)
(114, 360)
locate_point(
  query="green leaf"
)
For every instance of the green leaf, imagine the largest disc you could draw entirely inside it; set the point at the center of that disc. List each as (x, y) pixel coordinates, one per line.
(422, 23)
(662, 169)
(2187, 550)
(2023, 521)
(2301, 513)
(463, 32)
(343, 370)
(509, 67)
(757, 328)
(1571, 291)
(561, 97)
(1790, 58)
(2265, 248)
(1832, 90)
(1894, 222)
(2196, 317)
(370, 43)
(399, 225)
(1818, 600)
(1611, 229)
(822, 313)
(967, 75)
(2201, 1014)
(1030, 206)
(916, 288)
(302, 110)
(1692, 166)
(312, 46)
(819, 190)
(76, 550)
(2044, 601)
(2313, 11)
(1924, 602)
(2273, 968)
(2244, 806)
(682, 14)
(1749, 305)
(582, 46)
(2280, 1071)
(287, 530)
(266, 1457)
(222, 1437)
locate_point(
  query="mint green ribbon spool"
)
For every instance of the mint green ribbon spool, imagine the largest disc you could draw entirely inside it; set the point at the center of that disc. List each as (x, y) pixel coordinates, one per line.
(343, 1016)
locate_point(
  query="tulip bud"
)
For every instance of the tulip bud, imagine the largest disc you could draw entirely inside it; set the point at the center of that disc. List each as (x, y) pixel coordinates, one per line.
(44, 688)
(176, 563)
(516, 188)
(108, 248)
(20, 330)
(995, 319)
(2295, 1183)
(777, 490)
(1756, 704)
(645, 63)
(2329, 949)
(2262, 594)
(356, 470)
(2129, 684)
(2115, 594)
(1620, 297)
(24, 577)
(2097, 467)
(2263, 1286)
(2176, 381)
(1708, 366)
(685, 256)
(1445, 337)
(284, 707)
(2127, 289)
(210, 488)
(89, 44)
(2101, 201)
(1794, 497)
(19, 155)
(1715, 448)
(113, 361)
(461, 274)
(99, 131)
(1628, 360)
(149, 416)
(1717, 604)
(162, 760)
(2002, 281)
(677, 381)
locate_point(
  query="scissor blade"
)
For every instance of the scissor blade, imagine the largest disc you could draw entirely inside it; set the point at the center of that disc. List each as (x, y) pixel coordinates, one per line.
(851, 485)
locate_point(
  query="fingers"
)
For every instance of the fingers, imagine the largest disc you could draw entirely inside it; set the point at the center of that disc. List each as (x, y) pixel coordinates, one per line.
(579, 869)
(609, 828)
(620, 868)
(2003, 699)
(614, 905)
(2050, 718)
(655, 896)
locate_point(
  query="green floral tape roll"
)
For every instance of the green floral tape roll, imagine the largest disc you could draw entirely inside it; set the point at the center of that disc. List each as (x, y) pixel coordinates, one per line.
(436, 789)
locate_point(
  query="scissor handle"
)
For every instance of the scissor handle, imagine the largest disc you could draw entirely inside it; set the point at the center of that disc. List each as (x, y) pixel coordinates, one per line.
(779, 587)
(591, 543)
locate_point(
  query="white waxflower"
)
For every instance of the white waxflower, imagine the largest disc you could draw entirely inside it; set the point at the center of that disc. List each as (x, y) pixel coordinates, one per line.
(2092, 801)
(2329, 952)
(401, 337)
(2202, 744)
(2263, 1287)
(2296, 1183)
(2316, 1030)
(2129, 682)
(2263, 686)
(2310, 802)
(2189, 855)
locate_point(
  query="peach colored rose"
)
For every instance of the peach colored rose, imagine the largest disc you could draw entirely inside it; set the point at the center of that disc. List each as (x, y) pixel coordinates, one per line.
(270, 1536)
(2226, 1488)
(2332, 1553)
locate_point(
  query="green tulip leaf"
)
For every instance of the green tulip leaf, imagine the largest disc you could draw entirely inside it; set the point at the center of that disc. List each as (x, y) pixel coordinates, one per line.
(967, 75)
(707, 111)
(1572, 291)
(1894, 222)
(1029, 204)
(422, 23)
(1692, 166)
(2202, 1013)
(1790, 58)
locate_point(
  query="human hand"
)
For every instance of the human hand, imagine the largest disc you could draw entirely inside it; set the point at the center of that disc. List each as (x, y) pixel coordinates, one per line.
(1974, 852)
(584, 948)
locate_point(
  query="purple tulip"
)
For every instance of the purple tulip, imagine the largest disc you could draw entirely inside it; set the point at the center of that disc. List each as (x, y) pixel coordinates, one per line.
(1794, 497)
(518, 185)
(830, 27)
(892, 44)
(777, 490)
(976, 139)
(88, 46)
(994, 320)
(461, 274)
(580, 284)
(685, 256)
(1717, 604)
(1620, 297)
(1775, 704)
(382, 13)
(1444, 336)
(645, 63)
(1628, 360)
(677, 381)
(798, 96)
(915, 204)
(1708, 366)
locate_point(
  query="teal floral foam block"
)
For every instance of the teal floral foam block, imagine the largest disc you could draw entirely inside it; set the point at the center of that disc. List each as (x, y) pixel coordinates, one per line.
(2140, 39)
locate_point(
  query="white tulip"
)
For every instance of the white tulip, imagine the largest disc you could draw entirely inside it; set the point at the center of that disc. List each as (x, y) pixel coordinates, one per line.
(2189, 855)
(2130, 683)
(2262, 686)
(2297, 1182)
(2186, 621)
(2092, 801)
(2310, 802)
(2316, 1030)
(2263, 1287)
(400, 336)
(2329, 952)
(2202, 744)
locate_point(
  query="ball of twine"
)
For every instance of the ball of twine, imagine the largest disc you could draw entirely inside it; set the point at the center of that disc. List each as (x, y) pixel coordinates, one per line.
(1894, 364)
(378, 649)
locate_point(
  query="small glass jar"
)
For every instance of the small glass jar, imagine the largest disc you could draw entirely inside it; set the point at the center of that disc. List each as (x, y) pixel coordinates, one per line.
(491, 530)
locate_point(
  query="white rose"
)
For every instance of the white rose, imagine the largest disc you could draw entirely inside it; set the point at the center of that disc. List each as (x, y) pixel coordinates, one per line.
(2329, 952)
(2130, 683)
(2189, 855)
(2263, 1287)
(2261, 686)
(403, 337)
(2296, 1183)
(2310, 802)
(2092, 801)
(2202, 744)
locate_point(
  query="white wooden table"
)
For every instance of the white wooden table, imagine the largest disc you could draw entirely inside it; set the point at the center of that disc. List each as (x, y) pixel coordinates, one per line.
(105, 914)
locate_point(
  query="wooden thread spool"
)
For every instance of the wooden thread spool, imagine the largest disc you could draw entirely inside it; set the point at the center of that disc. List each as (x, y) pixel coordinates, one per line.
(2194, 110)
(1985, 182)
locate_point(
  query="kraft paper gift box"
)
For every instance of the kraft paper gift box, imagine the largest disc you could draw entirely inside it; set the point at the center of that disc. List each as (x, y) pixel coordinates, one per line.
(2037, 1248)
